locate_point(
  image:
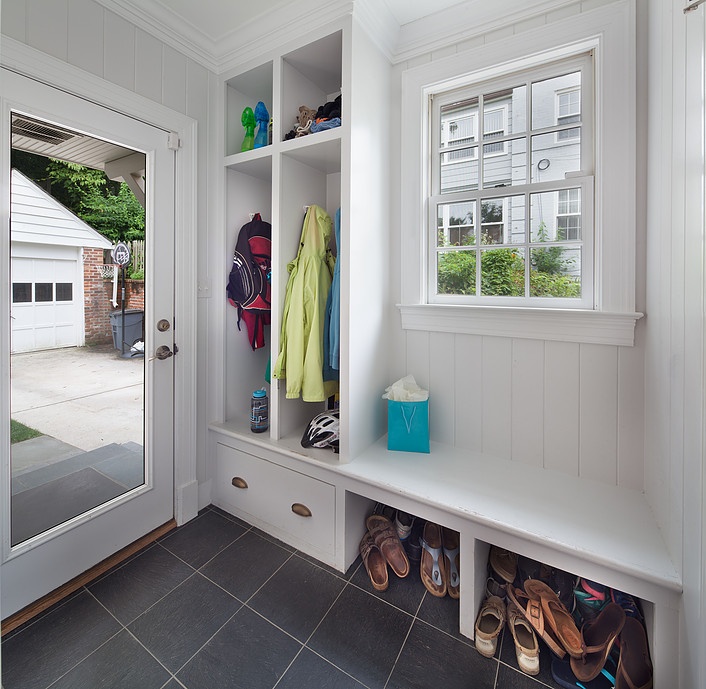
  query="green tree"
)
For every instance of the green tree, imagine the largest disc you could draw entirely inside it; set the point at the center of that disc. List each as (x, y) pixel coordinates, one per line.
(107, 206)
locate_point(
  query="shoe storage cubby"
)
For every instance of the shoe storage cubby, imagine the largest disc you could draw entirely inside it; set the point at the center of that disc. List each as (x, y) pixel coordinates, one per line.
(582, 598)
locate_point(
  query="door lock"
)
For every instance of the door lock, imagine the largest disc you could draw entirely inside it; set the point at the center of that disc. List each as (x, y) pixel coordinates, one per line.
(163, 325)
(163, 352)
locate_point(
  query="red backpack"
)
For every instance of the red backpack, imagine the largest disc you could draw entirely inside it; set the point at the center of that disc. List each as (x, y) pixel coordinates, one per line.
(248, 286)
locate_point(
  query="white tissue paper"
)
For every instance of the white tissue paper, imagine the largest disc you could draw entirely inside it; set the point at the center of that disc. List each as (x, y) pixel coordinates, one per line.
(406, 390)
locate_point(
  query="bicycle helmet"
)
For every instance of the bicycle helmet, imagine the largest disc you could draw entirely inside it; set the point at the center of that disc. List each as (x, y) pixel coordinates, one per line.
(322, 431)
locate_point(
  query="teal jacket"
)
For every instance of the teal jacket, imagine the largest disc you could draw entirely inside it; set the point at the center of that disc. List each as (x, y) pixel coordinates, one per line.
(301, 339)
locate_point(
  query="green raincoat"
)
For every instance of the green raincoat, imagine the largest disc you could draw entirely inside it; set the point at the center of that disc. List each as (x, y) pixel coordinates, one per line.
(301, 355)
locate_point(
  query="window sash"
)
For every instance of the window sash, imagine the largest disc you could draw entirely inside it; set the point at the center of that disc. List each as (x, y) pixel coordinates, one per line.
(563, 132)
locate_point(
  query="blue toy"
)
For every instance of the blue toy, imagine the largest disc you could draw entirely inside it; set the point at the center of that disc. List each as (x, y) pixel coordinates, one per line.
(248, 121)
(262, 117)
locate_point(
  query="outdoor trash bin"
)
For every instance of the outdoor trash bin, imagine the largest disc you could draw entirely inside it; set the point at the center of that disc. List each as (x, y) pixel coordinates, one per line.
(133, 327)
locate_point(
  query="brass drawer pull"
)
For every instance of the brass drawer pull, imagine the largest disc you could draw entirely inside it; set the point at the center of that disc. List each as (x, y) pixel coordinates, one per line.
(301, 510)
(239, 482)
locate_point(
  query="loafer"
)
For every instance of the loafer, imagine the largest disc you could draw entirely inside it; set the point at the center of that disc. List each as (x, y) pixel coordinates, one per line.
(489, 624)
(526, 644)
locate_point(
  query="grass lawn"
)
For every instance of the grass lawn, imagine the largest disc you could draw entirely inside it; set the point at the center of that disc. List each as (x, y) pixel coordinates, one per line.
(20, 432)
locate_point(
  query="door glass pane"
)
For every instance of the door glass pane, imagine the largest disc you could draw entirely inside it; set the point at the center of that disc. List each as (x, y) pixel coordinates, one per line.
(77, 356)
(21, 292)
(43, 291)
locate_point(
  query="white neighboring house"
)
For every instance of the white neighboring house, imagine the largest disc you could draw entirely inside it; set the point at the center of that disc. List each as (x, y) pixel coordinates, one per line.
(47, 243)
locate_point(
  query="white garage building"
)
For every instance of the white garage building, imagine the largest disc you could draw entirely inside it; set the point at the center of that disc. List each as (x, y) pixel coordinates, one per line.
(47, 243)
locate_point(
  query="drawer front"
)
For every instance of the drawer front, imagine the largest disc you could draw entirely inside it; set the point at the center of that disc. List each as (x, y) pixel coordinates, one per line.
(289, 501)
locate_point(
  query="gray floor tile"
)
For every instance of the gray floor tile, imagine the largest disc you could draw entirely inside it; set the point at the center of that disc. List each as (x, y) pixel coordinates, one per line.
(404, 593)
(362, 635)
(431, 658)
(132, 588)
(248, 653)
(50, 647)
(442, 613)
(245, 565)
(297, 597)
(310, 670)
(121, 663)
(176, 627)
(202, 538)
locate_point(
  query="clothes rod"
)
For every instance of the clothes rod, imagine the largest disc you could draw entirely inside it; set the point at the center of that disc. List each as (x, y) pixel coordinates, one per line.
(693, 5)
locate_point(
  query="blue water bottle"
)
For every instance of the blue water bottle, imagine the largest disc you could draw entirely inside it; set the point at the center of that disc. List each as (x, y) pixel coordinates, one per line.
(259, 411)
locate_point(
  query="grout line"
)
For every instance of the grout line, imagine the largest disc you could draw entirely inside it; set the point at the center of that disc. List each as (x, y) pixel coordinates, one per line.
(399, 653)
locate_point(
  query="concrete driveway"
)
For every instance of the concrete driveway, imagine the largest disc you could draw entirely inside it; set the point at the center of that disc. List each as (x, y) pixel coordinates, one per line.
(86, 397)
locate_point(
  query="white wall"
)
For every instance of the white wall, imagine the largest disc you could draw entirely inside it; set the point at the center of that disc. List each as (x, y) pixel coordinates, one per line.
(86, 35)
(675, 464)
(574, 408)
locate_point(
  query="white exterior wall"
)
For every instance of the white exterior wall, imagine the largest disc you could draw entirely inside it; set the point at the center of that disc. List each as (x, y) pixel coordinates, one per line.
(574, 408)
(86, 35)
(675, 466)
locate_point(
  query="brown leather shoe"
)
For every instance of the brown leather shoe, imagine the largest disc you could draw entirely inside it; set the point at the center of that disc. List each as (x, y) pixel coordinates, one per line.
(374, 562)
(388, 541)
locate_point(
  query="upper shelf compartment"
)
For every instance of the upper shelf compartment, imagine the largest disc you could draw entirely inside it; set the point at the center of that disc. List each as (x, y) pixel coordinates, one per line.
(245, 90)
(311, 77)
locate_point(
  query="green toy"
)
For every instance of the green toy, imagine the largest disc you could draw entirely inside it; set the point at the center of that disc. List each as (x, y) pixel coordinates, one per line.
(248, 121)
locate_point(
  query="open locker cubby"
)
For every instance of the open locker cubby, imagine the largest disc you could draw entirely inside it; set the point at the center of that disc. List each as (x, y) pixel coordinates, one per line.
(249, 188)
(311, 76)
(245, 90)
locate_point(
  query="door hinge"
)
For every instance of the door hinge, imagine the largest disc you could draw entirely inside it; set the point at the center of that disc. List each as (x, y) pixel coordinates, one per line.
(173, 141)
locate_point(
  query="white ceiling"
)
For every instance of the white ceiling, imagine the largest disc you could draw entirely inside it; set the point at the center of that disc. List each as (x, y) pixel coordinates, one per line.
(215, 19)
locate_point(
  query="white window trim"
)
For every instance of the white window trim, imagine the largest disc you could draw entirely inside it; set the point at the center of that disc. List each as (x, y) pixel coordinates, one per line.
(610, 32)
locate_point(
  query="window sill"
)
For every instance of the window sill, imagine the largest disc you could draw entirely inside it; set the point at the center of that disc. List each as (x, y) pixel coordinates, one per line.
(564, 325)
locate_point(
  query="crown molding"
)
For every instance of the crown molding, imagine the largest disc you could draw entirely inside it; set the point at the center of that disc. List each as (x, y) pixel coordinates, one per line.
(467, 20)
(380, 24)
(267, 32)
(152, 17)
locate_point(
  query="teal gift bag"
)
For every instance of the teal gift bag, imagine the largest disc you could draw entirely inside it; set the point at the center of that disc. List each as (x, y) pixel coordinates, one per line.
(408, 426)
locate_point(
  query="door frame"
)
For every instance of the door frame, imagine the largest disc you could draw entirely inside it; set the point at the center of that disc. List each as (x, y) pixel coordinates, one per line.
(36, 65)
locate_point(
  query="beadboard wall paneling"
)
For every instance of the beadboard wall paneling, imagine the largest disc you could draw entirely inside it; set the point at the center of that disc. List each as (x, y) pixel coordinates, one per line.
(561, 407)
(468, 391)
(119, 48)
(527, 402)
(47, 26)
(598, 393)
(496, 412)
(13, 22)
(85, 37)
(148, 58)
(631, 413)
(442, 412)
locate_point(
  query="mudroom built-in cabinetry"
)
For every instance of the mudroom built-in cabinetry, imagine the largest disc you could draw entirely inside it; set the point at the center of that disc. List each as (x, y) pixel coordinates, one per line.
(316, 500)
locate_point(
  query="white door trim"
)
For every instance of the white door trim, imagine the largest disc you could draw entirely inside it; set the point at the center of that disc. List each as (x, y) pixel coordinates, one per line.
(34, 64)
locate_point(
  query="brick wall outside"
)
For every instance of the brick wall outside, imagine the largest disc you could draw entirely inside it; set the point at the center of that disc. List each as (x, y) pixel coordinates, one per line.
(97, 295)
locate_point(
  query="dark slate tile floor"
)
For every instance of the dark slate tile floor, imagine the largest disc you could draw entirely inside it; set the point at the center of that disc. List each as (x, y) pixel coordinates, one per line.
(217, 604)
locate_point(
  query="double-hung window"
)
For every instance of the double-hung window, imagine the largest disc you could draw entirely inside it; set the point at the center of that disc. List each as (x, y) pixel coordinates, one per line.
(511, 179)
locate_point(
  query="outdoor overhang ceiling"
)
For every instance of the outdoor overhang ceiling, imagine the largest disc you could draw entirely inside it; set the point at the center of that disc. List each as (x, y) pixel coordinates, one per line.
(52, 141)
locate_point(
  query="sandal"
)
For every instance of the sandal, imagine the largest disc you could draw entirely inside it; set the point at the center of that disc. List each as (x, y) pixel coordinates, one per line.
(374, 562)
(386, 539)
(634, 666)
(431, 568)
(489, 624)
(557, 616)
(526, 645)
(450, 545)
(504, 563)
(598, 638)
(531, 610)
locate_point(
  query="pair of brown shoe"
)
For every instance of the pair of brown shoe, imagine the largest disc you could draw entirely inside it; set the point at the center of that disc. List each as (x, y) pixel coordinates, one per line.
(380, 547)
(439, 567)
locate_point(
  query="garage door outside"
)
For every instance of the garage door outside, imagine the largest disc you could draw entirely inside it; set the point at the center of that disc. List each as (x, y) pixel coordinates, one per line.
(47, 298)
